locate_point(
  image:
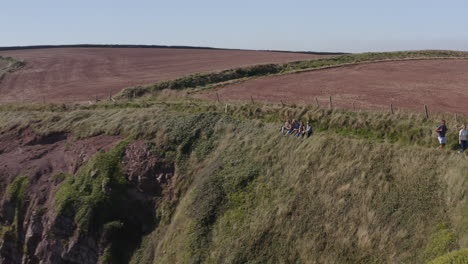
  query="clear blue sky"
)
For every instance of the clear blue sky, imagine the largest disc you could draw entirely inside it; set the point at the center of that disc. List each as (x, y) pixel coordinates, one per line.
(327, 25)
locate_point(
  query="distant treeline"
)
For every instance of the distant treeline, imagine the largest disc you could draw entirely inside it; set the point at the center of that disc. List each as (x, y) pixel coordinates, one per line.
(147, 46)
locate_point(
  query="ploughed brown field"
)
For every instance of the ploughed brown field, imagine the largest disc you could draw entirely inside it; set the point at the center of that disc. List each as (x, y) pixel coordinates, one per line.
(442, 85)
(79, 74)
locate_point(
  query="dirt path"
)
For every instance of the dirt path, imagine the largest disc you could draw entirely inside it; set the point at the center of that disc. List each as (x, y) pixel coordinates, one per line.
(78, 74)
(440, 84)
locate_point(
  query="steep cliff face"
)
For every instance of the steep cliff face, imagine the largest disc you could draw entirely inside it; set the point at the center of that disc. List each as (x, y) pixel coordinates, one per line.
(66, 200)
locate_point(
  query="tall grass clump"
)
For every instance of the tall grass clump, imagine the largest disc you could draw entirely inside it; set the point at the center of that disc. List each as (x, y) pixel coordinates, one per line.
(8, 65)
(455, 257)
(17, 192)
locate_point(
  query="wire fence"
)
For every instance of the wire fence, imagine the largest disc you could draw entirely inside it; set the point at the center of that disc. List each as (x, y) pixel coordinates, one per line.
(323, 102)
(332, 103)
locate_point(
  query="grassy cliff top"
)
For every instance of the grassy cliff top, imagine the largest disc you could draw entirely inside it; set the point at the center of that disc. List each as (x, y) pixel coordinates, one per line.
(133, 118)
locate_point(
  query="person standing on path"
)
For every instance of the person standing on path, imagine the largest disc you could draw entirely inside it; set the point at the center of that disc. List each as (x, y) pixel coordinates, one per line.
(462, 138)
(441, 131)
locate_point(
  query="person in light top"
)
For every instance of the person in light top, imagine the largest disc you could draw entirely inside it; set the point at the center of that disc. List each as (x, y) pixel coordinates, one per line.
(308, 131)
(462, 138)
(286, 127)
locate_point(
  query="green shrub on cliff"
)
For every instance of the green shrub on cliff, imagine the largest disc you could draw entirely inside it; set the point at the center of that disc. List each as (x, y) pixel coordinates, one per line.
(455, 257)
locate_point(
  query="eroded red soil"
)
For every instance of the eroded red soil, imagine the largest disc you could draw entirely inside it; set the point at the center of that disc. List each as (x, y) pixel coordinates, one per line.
(26, 153)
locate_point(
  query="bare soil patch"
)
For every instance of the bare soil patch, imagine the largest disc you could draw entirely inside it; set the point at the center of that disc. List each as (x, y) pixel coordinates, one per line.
(440, 84)
(27, 153)
(79, 74)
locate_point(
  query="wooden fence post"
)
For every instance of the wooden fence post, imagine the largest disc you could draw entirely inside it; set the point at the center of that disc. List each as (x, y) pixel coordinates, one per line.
(217, 96)
(226, 109)
(391, 109)
(331, 103)
(316, 101)
(427, 112)
(251, 98)
(96, 98)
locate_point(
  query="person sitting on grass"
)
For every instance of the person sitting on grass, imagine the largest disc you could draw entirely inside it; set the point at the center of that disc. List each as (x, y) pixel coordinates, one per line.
(291, 129)
(441, 131)
(308, 129)
(286, 127)
(295, 127)
(301, 131)
(462, 138)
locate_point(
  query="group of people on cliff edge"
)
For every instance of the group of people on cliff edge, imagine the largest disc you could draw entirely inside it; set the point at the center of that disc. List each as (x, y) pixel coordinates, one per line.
(462, 136)
(297, 129)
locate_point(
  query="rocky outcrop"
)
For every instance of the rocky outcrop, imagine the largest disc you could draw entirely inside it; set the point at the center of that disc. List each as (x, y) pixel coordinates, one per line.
(145, 169)
(34, 232)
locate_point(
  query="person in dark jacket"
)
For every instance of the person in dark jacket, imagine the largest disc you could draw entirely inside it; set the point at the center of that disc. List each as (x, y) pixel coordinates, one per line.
(441, 132)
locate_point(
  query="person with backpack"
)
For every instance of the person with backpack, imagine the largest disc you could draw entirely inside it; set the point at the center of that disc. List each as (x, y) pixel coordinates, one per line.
(462, 138)
(441, 132)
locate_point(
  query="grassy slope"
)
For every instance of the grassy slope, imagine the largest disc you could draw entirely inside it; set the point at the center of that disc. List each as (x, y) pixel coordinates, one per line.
(268, 199)
(213, 79)
(367, 188)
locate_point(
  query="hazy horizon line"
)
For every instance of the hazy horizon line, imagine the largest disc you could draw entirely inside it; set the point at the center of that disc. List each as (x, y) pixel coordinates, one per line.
(90, 45)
